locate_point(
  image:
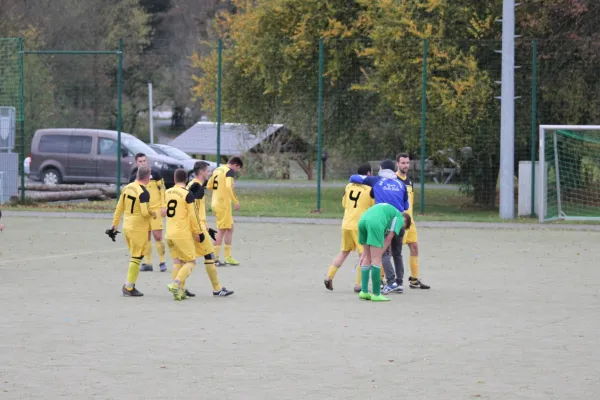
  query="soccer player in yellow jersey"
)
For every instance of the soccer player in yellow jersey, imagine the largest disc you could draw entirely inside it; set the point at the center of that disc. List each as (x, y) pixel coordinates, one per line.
(356, 200)
(221, 184)
(156, 187)
(204, 248)
(183, 228)
(133, 204)
(410, 237)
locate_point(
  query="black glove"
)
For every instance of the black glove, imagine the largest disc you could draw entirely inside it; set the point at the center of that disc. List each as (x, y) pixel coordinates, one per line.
(112, 234)
(212, 233)
(202, 237)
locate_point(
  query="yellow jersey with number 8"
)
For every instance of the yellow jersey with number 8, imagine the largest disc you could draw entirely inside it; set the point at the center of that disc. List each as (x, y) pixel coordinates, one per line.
(182, 219)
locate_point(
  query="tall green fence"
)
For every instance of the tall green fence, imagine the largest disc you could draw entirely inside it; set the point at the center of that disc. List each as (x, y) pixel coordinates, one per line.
(60, 89)
(438, 100)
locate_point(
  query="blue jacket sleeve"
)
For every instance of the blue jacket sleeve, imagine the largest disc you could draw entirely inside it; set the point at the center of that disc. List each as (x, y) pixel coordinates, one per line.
(356, 179)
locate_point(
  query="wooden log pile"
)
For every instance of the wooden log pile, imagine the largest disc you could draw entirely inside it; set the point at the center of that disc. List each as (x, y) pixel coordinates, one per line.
(38, 192)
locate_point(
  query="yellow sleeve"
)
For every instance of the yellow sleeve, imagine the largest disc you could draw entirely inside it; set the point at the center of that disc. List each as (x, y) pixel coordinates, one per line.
(195, 226)
(118, 211)
(229, 185)
(144, 203)
(211, 182)
(163, 191)
(344, 200)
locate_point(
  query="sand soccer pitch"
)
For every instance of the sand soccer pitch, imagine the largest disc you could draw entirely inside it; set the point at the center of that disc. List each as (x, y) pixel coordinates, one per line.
(512, 314)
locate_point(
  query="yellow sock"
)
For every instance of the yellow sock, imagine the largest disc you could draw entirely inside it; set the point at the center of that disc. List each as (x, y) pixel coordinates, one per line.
(160, 247)
(227, 251)
(414, 266)
(148, 252)
(132, 272)
(211, 271)
(332, 271)
(217, 251)
(175, 271)
(184, 273)
(358, 276)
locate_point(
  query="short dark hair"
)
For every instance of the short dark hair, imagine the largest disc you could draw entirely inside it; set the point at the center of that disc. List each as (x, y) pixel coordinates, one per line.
(236, 160)
(200, 166)
(407, 220)
(139, 155)
(364, 169)
(180, 175)
(388, 164)
(402, 155)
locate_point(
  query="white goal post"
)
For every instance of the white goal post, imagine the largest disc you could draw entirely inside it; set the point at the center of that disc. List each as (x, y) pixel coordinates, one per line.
(569, 184)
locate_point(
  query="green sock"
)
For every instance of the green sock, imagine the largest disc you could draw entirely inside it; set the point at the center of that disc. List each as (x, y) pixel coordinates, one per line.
(365, 271)
(376, 277)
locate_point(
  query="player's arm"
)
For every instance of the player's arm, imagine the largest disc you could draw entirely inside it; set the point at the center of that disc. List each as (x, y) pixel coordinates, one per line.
(388, 240)
(144, 203)
(193, 217)
(344, 200)
(406, 203)
(211, 181)
(118, 211)
(229, 186)
(160, 183)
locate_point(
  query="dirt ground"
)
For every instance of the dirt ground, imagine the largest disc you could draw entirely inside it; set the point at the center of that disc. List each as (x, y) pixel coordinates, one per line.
(511, 315)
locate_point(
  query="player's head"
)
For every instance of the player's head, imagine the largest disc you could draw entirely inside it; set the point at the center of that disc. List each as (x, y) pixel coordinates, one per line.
(235, 163)
(407, 220)
(202, 170)
(140, 159)
(365, 169)
(180, 176)
(403, 162)
(388, 164)
(143, 174)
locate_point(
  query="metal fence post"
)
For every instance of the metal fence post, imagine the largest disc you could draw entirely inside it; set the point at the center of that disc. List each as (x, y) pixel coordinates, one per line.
(119, 116)
(22, 120)
(320, 121)
(423, 126)
(219, 83)
(533, 122)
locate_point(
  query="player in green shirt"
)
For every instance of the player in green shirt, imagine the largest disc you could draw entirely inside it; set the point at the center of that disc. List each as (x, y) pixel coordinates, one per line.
(376, 228)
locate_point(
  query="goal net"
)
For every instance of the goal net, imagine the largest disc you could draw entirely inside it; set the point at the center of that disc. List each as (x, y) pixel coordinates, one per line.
(570, 178)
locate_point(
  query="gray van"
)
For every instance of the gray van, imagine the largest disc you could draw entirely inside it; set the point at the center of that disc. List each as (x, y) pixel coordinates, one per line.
(90, 156)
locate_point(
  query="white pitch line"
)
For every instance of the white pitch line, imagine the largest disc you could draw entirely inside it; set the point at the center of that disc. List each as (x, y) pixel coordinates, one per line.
(62, 255)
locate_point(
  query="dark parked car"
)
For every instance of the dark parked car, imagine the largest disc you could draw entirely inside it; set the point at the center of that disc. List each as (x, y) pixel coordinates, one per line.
(184, 158)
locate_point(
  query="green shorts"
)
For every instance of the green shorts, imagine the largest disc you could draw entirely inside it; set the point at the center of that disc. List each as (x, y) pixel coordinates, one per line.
(371, 233)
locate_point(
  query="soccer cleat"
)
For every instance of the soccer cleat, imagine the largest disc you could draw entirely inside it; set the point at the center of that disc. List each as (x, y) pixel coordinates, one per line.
(146, 267)
(163, 267)
(393, 288)
(219, 263)
(364, 296)
(176, 291)
(231, 261)
(379, 298)
(188, 293)
(131, 293)
(357, 289)
(417, 284)
(223, 292)
(328, 284)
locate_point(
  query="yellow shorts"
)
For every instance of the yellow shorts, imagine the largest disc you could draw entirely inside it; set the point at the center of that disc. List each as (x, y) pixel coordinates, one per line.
(411, 234)
(205, 247)
(156, 224)
(224, 215)
(183, 249)
(136, 241)
(350, 240)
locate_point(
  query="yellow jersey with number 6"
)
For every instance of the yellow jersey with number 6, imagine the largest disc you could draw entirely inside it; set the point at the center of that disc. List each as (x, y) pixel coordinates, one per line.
(182, 219)
(221, 185)
(357, 199)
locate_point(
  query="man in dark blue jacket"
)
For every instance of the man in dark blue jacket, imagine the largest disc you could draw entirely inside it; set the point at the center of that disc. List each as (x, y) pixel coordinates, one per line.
(387, 188)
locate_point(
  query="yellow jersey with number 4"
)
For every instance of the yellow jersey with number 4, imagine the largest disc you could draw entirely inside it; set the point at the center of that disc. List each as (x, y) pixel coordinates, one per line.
(182, 220)
(357, 199)
(221, 185)
(133, 205)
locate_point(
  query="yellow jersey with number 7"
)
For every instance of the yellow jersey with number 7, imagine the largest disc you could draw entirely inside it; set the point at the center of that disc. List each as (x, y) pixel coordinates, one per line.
(357, 199)
(133, 205)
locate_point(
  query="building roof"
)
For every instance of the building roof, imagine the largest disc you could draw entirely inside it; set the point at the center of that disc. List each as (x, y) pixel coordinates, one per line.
(235, 138)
